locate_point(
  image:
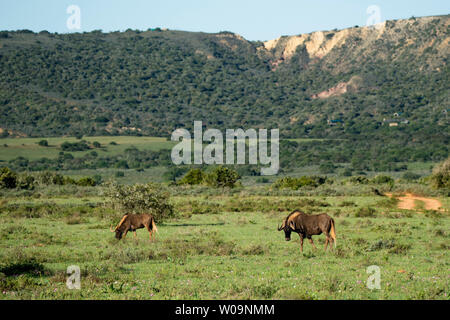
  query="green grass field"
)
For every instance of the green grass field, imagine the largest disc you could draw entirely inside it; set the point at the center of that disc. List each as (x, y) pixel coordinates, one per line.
(12, 148)
(224, 254)
(223, 244)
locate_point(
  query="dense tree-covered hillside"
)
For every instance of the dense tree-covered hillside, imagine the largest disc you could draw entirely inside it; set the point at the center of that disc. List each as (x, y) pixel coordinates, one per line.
(385, 84)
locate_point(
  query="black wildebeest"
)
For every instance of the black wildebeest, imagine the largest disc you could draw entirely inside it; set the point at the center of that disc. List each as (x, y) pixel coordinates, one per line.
(131, 222)
(308, 225)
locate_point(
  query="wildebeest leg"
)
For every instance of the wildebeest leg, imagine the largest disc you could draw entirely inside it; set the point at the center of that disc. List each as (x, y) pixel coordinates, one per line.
(125, 234)
(327, 240)
(301, 242)
(135, 234)
(149, 231)
(331, 242)
(312, 242)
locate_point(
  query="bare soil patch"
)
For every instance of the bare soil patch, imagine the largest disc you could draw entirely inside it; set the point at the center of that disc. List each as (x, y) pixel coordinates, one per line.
(408, 202)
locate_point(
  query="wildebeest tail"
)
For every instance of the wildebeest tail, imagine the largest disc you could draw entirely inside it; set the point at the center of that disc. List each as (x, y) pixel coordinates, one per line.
(333, 232)
(154, 225)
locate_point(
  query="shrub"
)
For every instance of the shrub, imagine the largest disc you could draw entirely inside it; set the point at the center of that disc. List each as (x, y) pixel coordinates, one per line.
(440, 179)
(262, 180)
(76, 146)
(98, 179)
(382, 244)
(8, 178)
(48, 178)
(359, 180)
(382, 179)
(365, 212)
(297, 183)
(347, 172)
(411, 176)
(222, 177)
(86, 182)
(151, 198)
(43, 143)
(173, 173)
(194, 176)
(69, 180)
(26, 182)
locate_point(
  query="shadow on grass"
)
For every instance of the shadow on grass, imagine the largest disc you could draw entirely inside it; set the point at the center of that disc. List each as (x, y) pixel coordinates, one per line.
(31, 267)
(194, 224)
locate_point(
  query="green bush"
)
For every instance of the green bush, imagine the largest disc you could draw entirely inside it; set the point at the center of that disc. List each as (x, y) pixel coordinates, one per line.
(43, 143)
(86, 182)
(222, 177)
(382, 179)
(173, 173)
(25, 181)
(365, 212)
(193, 177)
(76, 146)
(297, 183)
(359, 180)
(69, 180)
(49, 178)
(141, 198)
(8, 178)
(440, 179)
(410, 176)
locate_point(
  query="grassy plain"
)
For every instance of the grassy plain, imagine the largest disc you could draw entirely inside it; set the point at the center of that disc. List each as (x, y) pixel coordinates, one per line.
(11, 148)
(222, 246)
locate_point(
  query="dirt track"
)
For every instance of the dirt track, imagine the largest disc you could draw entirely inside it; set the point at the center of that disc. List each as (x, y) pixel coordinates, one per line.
(408, 202)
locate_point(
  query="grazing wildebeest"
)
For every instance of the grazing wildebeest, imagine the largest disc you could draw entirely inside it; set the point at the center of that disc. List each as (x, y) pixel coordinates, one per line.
(131, 222)
(308, 225)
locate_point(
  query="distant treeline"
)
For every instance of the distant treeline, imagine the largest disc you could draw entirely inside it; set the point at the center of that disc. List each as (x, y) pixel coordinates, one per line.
(362, 155)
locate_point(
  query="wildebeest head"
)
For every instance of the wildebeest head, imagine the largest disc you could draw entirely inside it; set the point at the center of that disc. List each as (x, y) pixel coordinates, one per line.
(119, 234)
(120, 229)
(287, 227)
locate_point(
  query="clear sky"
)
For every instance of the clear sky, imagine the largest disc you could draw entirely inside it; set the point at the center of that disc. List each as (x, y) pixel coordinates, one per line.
(253, 19)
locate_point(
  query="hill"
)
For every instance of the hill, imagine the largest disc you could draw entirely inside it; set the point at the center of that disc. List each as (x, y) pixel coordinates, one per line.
(385, 84)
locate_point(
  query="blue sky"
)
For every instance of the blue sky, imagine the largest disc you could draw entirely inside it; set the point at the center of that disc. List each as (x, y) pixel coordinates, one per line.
(253, 19)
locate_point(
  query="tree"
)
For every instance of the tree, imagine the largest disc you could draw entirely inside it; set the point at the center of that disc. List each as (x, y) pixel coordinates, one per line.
(141, 198)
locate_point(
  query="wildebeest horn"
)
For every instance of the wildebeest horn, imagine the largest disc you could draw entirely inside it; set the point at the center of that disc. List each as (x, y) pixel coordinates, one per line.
(120, 223)
(282, 225)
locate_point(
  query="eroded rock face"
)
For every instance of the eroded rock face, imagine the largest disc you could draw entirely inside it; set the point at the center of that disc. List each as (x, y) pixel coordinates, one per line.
(339, 89)
(319, 44)
(342, 87)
